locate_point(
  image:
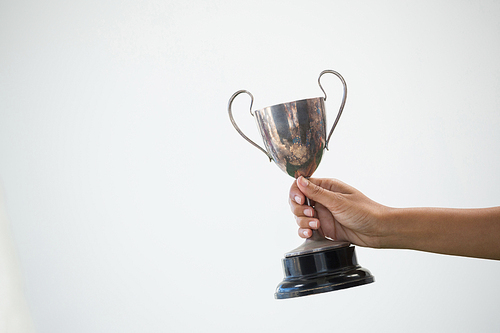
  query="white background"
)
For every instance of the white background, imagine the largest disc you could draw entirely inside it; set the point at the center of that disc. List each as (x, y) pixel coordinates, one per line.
(136, 207)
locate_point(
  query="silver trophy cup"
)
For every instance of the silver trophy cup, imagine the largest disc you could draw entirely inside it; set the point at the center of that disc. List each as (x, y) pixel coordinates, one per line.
(294, 136)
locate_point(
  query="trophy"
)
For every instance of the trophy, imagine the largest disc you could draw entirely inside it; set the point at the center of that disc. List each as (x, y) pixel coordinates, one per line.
(294, 136)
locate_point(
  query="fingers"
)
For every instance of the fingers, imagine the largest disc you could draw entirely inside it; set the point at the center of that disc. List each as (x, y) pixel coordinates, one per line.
(296, 195)
(301, 210)
(305, 215)
(305, 233)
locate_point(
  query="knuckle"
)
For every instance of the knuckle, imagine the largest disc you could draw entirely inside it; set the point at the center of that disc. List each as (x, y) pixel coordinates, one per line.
(301, 222)
(297, 220)
(337, 202)
(317, 190)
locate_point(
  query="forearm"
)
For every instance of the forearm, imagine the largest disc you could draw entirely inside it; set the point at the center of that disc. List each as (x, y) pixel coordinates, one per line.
(464, 232)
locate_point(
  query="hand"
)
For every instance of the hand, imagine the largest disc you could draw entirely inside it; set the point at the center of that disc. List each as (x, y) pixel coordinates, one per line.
(345, 214)
(342, 212)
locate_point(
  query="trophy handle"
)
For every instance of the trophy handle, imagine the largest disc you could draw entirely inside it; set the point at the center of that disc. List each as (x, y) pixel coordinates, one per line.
(341, 105)
(236, 126)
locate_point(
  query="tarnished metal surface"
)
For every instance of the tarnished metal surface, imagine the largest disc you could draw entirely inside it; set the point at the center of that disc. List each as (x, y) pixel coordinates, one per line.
(294, 134)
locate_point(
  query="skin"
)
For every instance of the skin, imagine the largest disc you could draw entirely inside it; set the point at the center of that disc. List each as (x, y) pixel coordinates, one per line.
(344, 213)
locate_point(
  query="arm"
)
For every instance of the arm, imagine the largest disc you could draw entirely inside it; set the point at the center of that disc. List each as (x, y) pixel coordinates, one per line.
(464, 232)
(344, 213)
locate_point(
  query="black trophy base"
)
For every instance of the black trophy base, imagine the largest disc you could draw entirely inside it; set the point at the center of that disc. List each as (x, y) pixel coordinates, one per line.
(320, 272)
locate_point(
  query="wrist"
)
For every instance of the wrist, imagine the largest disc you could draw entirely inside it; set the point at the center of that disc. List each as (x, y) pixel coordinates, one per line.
(392, 228)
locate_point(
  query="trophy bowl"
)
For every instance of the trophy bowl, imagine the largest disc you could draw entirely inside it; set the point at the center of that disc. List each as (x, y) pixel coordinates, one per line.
(294, 136)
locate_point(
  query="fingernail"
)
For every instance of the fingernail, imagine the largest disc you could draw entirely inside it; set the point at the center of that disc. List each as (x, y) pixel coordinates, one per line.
(304, 182)
(309, 212)
(313, 224)
(305, 233)
(298, 200)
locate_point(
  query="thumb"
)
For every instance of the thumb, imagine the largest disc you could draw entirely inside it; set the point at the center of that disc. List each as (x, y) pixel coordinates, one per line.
(313, 191)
